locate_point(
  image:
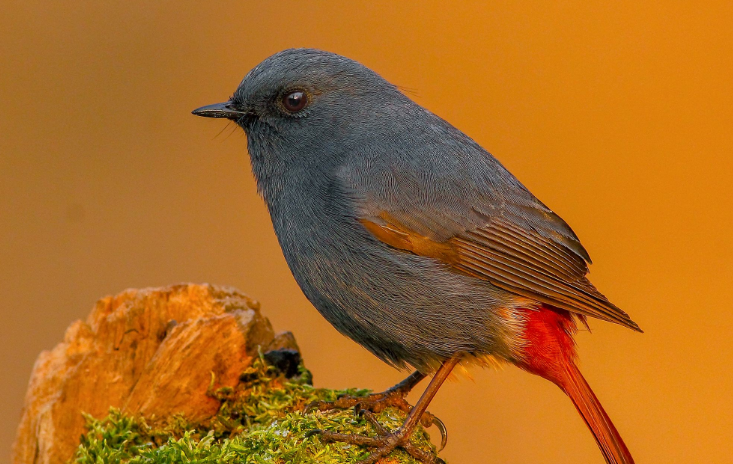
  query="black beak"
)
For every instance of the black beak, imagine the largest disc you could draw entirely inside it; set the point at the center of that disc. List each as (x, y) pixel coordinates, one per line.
(219, 110)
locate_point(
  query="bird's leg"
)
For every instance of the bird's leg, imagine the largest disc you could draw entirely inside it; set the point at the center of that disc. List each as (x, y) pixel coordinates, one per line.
(377, 402)
(374, 402)
(386, 441)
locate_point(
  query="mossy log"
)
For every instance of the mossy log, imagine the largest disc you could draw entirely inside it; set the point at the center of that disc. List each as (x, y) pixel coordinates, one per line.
(187, 373)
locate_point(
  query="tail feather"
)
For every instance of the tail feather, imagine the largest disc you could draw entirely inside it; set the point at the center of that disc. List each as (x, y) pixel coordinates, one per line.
(549, 351)
(609, 441)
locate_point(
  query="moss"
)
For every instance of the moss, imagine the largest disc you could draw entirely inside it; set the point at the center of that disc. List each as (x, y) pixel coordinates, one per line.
(259, 421)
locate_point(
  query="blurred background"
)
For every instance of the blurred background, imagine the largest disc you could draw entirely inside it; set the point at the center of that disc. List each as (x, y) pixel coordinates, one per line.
(617, 115)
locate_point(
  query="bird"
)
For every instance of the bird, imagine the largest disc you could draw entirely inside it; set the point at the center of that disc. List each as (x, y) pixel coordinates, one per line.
(413, 240)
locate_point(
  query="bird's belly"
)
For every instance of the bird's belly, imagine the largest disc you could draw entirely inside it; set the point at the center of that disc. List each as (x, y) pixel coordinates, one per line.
(402, 307)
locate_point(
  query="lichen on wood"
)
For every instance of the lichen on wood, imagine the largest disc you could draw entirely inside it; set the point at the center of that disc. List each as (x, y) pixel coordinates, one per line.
(261, 420)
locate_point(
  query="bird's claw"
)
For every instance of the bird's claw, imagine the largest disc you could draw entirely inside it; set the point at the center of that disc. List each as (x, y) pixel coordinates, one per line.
(443, 432)
(313, 432)
(385, 442)
(365, 406)
(427, 420)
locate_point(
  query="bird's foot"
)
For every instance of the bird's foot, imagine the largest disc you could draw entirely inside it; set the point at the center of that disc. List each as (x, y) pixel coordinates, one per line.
(385, 441)
(378, 402)
(374, 402)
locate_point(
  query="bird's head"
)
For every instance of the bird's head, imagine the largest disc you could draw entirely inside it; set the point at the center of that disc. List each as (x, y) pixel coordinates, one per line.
(307, 106)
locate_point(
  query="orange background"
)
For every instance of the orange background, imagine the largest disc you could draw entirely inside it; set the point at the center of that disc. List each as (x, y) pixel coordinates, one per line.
(616, 114)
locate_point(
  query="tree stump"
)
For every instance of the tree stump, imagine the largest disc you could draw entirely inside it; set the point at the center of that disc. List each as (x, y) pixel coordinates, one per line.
(164, 371)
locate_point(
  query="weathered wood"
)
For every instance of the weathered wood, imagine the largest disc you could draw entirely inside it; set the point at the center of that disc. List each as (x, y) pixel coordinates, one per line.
(150, 351)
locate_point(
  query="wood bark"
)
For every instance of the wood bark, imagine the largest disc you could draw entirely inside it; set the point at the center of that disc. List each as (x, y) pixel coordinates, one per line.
(152, 352)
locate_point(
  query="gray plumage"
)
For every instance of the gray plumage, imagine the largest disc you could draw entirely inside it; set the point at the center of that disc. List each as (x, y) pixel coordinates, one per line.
(362, 151)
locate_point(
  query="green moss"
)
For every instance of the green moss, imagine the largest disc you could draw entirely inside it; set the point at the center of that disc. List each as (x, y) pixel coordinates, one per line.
(259, 421)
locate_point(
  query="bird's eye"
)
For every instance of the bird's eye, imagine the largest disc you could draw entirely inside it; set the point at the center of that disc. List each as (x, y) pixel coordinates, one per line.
(295, 101)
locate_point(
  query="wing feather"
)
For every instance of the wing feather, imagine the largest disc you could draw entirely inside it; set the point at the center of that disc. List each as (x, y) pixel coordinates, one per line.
(511, 258)
(477, 219)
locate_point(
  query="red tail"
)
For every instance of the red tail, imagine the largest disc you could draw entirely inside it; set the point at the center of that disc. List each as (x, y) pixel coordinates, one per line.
(550, 353)
(608, 439)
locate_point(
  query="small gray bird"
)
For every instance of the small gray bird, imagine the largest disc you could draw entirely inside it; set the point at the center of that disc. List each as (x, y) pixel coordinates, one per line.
(413, 240)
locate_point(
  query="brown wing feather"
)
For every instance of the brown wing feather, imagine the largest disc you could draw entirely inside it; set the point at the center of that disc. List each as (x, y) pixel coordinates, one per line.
(512, 259)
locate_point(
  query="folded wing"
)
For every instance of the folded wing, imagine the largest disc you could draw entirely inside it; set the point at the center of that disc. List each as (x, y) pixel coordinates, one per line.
(507, 248)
